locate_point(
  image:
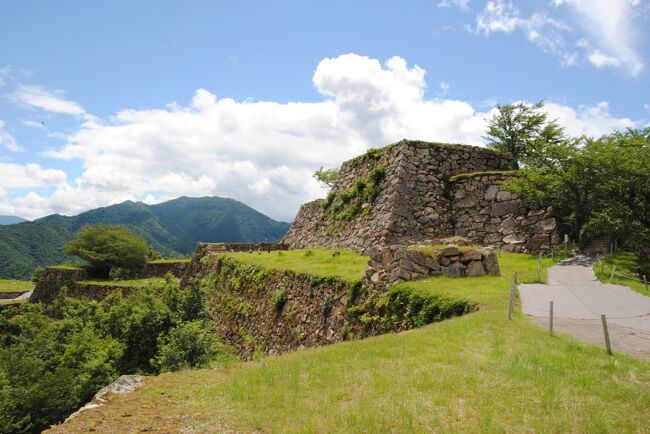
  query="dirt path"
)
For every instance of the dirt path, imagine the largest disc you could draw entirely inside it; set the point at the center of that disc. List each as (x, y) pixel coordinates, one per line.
(578, 301)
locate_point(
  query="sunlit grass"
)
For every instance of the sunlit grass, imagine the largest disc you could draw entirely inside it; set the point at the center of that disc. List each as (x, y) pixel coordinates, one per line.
(15, 285)
(475, 373)
(345, 265)
(133, 283)
(627, 264)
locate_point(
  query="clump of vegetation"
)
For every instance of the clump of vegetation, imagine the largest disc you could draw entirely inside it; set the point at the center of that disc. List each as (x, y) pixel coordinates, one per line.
(328, 304)
(53, 359)
(326, 177)
(278, 299)
(347, 203)
(108, 248)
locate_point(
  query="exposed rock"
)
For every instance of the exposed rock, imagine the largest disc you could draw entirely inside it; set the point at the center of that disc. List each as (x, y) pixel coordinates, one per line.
(454, 270)
(450, 251)
(474, 269)
(472, 255)
(491, 263)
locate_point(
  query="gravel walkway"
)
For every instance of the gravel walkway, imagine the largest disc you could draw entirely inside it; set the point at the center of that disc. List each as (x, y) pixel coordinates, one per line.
(578, 301)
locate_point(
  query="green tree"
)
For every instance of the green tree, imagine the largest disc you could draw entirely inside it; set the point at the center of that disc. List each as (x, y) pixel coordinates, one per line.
(597, 187)
(107, 247)
(326, 177)
(524, 131)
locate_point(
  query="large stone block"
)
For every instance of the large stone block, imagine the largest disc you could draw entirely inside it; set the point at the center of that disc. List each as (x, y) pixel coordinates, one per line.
(475, 269)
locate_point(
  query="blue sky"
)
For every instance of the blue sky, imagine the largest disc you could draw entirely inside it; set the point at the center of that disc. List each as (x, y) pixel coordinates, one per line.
(150, 100)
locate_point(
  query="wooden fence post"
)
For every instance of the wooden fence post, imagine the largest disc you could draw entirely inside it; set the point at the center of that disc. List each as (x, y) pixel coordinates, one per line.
(645, 282)
(611, 278)
(511, 303)
(606, 332)
(539, 268)
(550, 318)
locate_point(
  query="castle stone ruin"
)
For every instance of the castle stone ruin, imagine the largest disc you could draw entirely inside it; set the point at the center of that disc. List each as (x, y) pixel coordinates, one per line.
(414, 192)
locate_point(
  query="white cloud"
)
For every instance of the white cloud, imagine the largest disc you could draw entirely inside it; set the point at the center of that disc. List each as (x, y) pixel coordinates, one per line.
(613, 29)
(462, 4)
(609, 33)
(33, 124)
(47, 100)
(28, 176)
(444, 87)
(8, 141)
(540, 29)
(592, 121)
(262, 153)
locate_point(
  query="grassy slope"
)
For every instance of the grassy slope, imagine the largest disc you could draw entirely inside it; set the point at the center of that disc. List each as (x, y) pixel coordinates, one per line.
(627, 264)
(15, 285)
(134, 283)
(321, 262)
(476, 373)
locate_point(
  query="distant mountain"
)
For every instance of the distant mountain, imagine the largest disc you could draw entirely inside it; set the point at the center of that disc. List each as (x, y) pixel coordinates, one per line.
(174, 226)
(10, 219)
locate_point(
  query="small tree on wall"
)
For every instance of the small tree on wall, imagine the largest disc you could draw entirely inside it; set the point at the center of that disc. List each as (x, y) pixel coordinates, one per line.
(108, 247)
(522, 130)
(326, 177)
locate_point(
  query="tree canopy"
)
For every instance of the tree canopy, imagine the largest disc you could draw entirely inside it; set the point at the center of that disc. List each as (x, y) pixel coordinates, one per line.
(523, 130)
(598, 187)
(108, 247)
(326, 177)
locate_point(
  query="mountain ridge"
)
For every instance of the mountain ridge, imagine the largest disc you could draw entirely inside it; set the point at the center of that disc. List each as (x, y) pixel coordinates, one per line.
(11, 219)
(170, 227)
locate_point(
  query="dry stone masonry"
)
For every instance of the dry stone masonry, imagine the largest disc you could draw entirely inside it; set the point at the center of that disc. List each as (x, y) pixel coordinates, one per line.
(429, 190)
(397, 263)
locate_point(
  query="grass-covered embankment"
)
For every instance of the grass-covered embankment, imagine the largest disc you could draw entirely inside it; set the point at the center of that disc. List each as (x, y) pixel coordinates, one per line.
(627, 264)
(345, 265)
(474, 373)
(15, 285)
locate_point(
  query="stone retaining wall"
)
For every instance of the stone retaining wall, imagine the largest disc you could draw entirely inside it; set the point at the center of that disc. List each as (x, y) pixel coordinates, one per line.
(160, 269)
(487, 214)
(52, 279)
(397, 263)
(10, 295)
(420, 198)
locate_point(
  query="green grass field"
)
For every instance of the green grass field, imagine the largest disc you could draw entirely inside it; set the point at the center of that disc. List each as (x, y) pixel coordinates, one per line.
(15, 285)
(168, 261)
(475, 373)
(318, 262)
(133, 283)
(626, 263)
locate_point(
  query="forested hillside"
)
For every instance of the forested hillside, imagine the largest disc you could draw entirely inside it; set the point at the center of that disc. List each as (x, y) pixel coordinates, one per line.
(173, 226)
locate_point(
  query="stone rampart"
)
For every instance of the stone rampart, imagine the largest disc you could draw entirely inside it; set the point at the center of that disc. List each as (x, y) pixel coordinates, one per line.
(411, 202)
(161, 268)
(398, 263)
(487, 214)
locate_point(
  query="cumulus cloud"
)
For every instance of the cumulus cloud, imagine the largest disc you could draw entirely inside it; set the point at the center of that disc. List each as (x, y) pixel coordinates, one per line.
(47, 100)
(593, 121)
(7, 140)
(262, 153)
(462, 4)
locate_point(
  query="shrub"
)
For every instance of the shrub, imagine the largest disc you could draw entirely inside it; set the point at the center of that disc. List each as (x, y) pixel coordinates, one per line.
(278, 299)
(191, 344)
(328, 304)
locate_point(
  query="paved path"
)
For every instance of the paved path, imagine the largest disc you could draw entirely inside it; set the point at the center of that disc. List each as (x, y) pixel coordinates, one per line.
(25, 296)
(578, 301)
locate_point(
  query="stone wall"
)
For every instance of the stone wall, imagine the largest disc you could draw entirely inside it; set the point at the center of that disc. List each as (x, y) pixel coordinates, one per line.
(487, 214)
(398, 263)
(413, 201)
(52, 279)
(259, 310)
(160, 269)
(10, 295)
